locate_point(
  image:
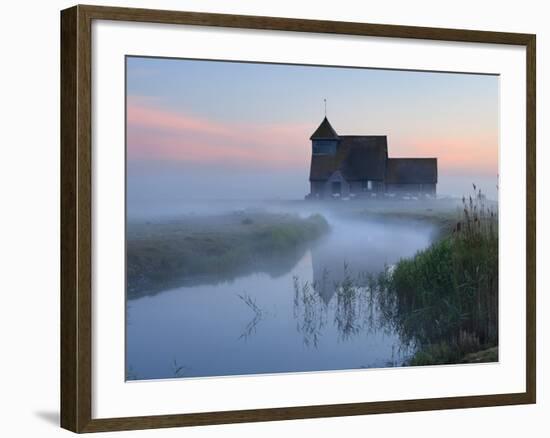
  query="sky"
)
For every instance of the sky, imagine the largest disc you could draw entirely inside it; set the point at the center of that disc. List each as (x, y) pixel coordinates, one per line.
(199, 129)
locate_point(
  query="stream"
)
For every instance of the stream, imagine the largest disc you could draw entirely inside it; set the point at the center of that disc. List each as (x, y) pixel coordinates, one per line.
(293, 322)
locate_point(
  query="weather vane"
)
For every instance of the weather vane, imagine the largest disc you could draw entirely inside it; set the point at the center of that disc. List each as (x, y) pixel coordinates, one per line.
(325, 107)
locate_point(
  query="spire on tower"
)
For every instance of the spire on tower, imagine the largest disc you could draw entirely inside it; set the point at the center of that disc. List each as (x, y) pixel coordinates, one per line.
(324, 132)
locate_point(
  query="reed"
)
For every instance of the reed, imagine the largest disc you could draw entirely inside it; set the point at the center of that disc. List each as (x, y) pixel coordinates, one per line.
(447, 295)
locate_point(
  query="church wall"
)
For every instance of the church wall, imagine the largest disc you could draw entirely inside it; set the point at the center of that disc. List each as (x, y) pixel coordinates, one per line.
(336, 178)
(412, 188)
(317, 187)
(362, 188)
(324, 189)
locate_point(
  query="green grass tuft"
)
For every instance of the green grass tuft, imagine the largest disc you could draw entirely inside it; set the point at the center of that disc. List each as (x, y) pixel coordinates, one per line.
(447, 295)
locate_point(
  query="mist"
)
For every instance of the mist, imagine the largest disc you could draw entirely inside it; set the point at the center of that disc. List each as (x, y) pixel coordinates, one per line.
(158, 189)
(281, 310)
(222, 244)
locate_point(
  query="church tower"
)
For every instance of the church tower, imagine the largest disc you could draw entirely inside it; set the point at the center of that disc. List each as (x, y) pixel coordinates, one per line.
(324, 141)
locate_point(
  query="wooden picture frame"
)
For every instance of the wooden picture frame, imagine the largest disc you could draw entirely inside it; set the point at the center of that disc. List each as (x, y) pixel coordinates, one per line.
(76, 217)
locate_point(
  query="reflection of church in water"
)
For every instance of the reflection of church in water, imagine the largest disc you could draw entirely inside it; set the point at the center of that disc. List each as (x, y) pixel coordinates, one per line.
(342, 259)
(324, 278)
(357, 249)
(340, 267)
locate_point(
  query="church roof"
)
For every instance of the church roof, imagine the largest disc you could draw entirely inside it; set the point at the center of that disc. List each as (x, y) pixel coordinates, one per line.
(365, 157)
(358, 157)
(411, 171)
(325, 131)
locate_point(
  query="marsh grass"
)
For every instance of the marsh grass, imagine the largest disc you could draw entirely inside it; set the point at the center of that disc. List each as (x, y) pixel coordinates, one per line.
(310, 311)
(442, 303)
(259, 314)
(356, 306)
(215, 249)
(447, 295)
(178, 370)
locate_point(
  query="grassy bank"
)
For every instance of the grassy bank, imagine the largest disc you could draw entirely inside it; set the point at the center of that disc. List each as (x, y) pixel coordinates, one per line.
(214, 248)
(443, 214)
(446, 297)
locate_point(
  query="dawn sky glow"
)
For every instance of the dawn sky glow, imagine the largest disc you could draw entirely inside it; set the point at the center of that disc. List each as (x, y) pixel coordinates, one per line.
(251, 122)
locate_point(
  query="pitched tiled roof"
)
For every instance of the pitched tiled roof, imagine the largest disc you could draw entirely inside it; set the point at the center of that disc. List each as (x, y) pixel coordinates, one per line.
(358, 157)
(411, 171)
(324, 131)
(366, 157)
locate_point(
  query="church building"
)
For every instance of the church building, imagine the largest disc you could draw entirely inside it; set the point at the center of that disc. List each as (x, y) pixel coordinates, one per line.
(348, 166)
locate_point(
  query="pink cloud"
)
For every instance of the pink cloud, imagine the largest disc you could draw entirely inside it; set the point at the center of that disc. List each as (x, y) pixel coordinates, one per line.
(157, 133)
(467, 153)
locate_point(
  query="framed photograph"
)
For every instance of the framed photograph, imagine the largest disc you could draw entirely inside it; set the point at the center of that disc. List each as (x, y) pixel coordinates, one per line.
(270, 218)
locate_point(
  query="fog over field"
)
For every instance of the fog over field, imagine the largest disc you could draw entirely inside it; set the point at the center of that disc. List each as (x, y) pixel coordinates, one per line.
(256, 284)
(166, 190)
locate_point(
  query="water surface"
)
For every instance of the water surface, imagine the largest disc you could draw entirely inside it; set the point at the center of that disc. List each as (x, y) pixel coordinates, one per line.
(261, 323)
